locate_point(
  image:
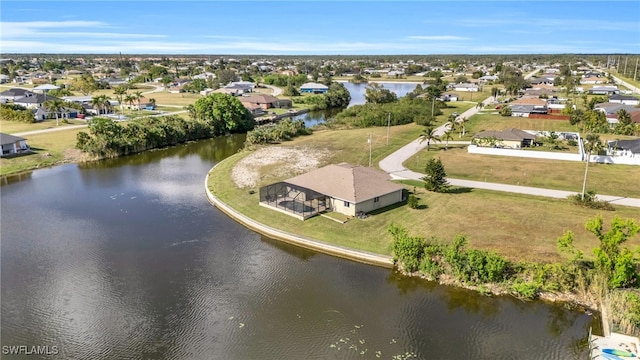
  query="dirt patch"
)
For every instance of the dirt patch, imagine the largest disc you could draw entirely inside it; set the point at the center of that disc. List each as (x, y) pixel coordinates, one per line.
(75, 156)
(276, 162)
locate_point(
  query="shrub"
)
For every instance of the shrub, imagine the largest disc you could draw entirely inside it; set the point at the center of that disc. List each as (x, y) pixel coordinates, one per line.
(412, 201)
(591, 201)
(525, 290)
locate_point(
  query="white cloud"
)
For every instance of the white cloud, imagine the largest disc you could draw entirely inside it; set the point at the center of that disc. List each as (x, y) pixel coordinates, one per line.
(438, 37)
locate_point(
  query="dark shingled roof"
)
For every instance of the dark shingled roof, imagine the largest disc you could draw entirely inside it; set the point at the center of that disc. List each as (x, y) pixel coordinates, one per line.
(6, 139)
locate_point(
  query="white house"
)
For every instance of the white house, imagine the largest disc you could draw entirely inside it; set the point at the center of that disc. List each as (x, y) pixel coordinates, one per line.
(466, 87)
(347, 189)
(12, 144)
(624, 99)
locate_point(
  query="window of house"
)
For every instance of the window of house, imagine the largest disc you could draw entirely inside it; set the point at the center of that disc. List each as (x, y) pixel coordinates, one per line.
(376, 199)
(346, 204)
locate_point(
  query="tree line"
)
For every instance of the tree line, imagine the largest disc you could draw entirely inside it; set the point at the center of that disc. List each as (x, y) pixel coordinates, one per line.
(210, 116)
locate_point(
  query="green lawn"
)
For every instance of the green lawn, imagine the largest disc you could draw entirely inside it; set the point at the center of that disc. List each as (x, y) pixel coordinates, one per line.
(15, 127)
(50, 149)
(606, 179)
(482, 122)
(507, 223)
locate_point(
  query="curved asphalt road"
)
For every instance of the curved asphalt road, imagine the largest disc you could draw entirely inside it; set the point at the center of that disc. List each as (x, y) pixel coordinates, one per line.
(393, 165)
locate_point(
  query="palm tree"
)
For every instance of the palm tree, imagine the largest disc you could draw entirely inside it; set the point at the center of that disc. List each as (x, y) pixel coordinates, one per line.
(138, 95)
(121, 92)
(461, 126)
(130, 99)
(102, 103)
(592, 144)
(448, 135)
(428, 134)
(152, 101)
(55, 106)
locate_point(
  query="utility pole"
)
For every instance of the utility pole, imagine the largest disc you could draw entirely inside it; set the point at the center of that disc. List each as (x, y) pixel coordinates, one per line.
(370, 144)
(388, 126)
(636, 70)
(625, 65)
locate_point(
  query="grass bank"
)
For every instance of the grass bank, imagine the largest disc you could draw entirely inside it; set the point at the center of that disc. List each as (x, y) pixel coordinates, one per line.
(510, 224)
(621, 180)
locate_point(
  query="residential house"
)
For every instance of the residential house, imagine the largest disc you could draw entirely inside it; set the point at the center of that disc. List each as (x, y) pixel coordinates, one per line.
(33, 101)
(344, 188)
(488, 78)
(42, 113)
(508, 138)
(528, 105)
(465, 87)
(627, 148)
(449, 97)
(604, 90)
(592, 80)
(10, 144)
(14, 93)
(238, 88)
(313, 88)
(265, 101)
(624, 99)
(610, 111)
(4, 78)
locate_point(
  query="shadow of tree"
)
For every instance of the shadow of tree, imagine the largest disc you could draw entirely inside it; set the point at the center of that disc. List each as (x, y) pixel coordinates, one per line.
(459, 190)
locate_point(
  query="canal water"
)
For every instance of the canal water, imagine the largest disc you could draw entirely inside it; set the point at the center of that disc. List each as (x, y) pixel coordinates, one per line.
(126, 259)
(357, 92)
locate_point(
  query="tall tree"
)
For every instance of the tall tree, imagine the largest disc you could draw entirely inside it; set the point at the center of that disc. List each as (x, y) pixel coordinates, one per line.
(377, 94)
(448, 135)
(120, 93)
(55, 106)
(591, 144)
(428, 134)
(436, 177)
(138, 95)
(130, 99)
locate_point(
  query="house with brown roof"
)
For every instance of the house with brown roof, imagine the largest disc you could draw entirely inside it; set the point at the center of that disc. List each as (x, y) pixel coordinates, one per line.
(508, 138)
(264, 101)
(344, 188)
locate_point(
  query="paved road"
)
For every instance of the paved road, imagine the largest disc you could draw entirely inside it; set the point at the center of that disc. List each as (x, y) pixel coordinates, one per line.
(62, 128)
(439, 131)
(276, 90)
(393, 165)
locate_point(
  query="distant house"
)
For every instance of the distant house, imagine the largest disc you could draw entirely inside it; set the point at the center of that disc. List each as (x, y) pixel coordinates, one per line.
(466, 87)
(32, 100)
(525, 106)
(12, 144)
(592, 80)
(4, 78)
(449, 97)
(488, 78)
(610, 110)
(343, 188)
(265, 101)
(238, 88)
(14, 93)
(313, 88)
(628, 148)
(604, 90)
(509, 138)
(624, 99)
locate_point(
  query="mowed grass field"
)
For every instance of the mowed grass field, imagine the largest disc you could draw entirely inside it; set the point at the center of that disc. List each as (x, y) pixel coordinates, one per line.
(620, 180)
(49, 149)
(517, 226)
(11, 127)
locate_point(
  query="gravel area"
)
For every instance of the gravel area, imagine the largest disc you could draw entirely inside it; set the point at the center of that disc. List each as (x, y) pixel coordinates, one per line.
(276, 161)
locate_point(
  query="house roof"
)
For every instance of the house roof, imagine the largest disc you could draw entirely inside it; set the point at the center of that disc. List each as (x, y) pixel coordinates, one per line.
(622, 97)
(507, 134)
(311, 85)
(631, 145)
(6, 139)
(612, 108)
(529, 101)
(347, 182)
(259, 99)
(15, 92)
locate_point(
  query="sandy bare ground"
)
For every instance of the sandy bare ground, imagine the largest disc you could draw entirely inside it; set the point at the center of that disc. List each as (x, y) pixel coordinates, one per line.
(276, 162)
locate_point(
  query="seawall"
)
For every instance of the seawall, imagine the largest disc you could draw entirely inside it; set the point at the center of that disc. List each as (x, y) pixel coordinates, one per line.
(335, 250)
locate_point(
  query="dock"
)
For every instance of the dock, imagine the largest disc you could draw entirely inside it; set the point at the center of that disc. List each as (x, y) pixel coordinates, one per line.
(267, 119)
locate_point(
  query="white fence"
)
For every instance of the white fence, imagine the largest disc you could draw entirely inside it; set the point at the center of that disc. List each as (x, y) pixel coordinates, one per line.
(474, 149)
(605, 159)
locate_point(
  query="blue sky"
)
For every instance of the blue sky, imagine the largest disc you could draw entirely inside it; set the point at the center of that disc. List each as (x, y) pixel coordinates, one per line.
(319, 28)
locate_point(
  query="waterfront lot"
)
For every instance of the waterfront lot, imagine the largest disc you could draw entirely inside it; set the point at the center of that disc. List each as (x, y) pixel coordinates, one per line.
(507, 223)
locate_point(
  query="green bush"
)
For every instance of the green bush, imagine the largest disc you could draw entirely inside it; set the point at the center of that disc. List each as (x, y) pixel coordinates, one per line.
(525, 290)
(412, 201)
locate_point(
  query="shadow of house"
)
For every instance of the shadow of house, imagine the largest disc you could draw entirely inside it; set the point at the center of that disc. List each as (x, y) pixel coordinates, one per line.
(347, 189)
